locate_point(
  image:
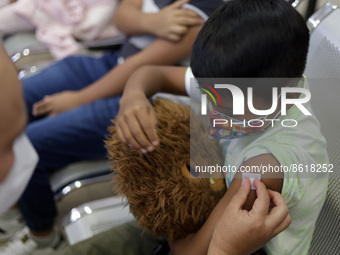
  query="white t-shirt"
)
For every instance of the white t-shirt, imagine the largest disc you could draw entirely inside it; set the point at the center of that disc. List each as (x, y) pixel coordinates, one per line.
(301, 146)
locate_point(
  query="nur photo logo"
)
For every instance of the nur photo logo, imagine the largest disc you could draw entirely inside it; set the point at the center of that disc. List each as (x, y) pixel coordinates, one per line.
(239, 99)
(236, 112)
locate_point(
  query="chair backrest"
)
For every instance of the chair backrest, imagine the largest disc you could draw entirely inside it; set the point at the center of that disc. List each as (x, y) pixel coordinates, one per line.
(31, 56)
(323, 71)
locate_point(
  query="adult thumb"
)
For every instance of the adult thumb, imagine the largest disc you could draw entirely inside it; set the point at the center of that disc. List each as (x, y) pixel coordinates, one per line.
(240, 197)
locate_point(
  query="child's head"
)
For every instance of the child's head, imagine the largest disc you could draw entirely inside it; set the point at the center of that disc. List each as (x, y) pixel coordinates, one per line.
(252, 38)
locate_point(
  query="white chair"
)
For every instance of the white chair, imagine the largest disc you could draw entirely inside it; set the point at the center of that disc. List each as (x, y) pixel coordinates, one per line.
(323, 72)
(31, 56)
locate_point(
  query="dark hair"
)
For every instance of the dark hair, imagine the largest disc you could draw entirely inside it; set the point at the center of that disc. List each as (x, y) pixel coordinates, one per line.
(251, 38)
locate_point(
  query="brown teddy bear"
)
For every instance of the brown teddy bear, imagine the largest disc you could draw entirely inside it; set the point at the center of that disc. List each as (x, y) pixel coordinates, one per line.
(165, 194)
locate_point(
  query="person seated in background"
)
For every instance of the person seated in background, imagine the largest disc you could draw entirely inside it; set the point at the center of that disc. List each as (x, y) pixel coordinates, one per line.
(71, 103)
(249, 39)
(59, 24)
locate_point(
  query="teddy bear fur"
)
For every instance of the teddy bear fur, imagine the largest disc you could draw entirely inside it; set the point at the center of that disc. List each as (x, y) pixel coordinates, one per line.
(163, 200)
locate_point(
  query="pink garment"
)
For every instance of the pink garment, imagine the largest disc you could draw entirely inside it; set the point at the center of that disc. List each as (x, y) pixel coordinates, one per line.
(59, 22)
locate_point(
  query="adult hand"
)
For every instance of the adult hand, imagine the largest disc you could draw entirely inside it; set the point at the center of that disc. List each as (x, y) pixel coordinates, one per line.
(172, 22)
(136, 122)
(57, 103)
(240, 232)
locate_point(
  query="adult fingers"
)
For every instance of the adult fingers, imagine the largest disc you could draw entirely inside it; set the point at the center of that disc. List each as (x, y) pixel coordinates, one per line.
(280, 211)
(283, 225)
(261, 203)
(276, 199)
(240, 197)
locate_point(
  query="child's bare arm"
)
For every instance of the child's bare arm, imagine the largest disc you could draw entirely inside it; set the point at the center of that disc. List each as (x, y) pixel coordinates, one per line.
(198, 243)
(160, 52)
(170, 23)
(136, 120)
(253, 228)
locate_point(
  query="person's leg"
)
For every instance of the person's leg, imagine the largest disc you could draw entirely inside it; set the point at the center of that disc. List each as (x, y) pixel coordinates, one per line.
(127, 239)
(60, 140)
